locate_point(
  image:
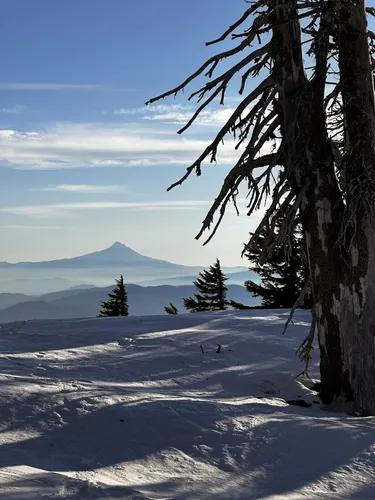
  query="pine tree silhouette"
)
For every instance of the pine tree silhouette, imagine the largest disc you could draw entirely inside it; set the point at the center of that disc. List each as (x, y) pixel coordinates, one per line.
(282, 279)
(171, 309)
(211, 291)
(117, 303)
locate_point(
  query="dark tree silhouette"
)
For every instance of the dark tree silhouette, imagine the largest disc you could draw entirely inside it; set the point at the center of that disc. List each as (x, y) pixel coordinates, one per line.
(283, 275)
(171, 309)
(117, 303)
(211, 291)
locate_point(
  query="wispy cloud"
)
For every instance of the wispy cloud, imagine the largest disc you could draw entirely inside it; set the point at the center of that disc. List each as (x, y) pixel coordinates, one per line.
(13, 110)
(159, 108)
(59, 208)
(212, 117)
(101, 145)
(37, 86)
(82, 188)
(178, 114)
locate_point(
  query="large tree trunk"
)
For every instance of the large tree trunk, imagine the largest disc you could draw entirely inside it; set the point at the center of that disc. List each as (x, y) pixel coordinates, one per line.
(340, 236)
(355, 305)
(310, 167)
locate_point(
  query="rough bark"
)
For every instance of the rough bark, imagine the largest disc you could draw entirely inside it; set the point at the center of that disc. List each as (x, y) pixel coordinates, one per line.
(355, 303)
(340, 235)
(310, 165)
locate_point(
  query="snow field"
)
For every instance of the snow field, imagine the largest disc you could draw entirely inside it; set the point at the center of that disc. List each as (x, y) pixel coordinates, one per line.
(130, 408)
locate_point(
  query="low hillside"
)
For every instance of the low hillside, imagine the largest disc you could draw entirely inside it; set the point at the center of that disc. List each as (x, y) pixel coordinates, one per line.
(75, 303)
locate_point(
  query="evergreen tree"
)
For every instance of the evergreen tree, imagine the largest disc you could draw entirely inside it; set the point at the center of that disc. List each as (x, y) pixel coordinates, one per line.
(282, 278)
(117, 303)
(171, 309)
(211, 289)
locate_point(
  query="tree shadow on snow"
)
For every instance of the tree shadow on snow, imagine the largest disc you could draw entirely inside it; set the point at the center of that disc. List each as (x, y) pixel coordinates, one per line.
(253, 449)
(159, 398)
(49, 485)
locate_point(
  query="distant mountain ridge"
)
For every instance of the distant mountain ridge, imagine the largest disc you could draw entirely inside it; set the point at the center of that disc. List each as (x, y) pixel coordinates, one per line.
(116, 254)
(75, 303)
(98, 268)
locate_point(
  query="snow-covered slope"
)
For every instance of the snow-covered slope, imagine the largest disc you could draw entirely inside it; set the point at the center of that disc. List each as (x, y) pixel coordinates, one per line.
(130, 408)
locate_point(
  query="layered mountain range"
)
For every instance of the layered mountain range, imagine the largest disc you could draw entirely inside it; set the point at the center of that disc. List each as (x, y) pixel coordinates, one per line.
(75, 303)
(74, 287)
(100, 269)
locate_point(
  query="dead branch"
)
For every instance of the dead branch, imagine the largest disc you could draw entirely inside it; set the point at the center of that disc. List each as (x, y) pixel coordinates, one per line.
(243, 168)
(230, 185)
(223, 80)
(281, 189)
(258, 110)
(258, 142)
(253, 71)
(215, 60)
(287, 225)
(332, 96)
(256, 120)
(238, 23)
(305, 290)
(267, 248)
(304, 350)
(212, 148)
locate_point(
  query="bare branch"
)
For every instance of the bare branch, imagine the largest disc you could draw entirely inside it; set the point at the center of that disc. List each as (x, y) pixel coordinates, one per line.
(213, 61)
(305, 290)
(304, 350)
(265, 135)
(279, 191)
(202, 107)
(240, 21)
(212, 148)
(223, 207)
(243, 168)
(286, 227)
(269, 244)
(245, 124)
(235, 176)
(224, 80)
(333, 95)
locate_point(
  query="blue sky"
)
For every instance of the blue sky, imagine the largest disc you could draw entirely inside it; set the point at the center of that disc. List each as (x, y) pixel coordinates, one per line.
(83, 163)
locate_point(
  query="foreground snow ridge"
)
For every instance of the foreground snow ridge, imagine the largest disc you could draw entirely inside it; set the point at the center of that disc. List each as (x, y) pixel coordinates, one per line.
(130, 408)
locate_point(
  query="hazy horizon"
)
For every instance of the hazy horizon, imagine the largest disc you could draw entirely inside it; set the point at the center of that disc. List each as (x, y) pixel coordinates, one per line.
(10, 261)
(100, 268)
